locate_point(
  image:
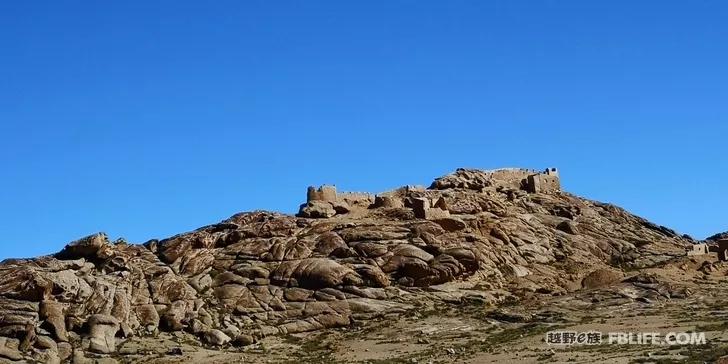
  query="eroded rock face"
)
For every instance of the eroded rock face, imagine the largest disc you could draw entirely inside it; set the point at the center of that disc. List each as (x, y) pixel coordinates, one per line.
(263, 273)
(102, 333)
(53, 314)
(601, 278)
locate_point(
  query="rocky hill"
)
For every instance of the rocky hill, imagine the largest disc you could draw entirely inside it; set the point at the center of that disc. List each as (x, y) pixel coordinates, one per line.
(719, 236)
(494, 236)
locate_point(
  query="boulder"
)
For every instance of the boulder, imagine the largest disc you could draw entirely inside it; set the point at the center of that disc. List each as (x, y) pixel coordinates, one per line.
(517, 270)
(312, 273)
(65, 350)
(244, 340)
(148, 317)
(318, 209)
(601, 277)
(172, 318)
(52, 313)
(568, 227)
(341, 207)
(451, 223)
(87, 247)
(102, 333)
(45, 342)
(9, 349)
(215, 337)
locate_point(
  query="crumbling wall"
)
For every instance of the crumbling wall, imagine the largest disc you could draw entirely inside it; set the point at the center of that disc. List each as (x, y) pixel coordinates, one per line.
(388, 201)
(723, 249)
(511, 176)
(545, 182)
(323, 193)
(356, 198)
(425, 208)
(698, 249)
(324, 202)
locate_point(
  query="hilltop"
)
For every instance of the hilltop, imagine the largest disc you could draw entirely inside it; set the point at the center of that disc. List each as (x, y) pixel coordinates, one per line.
(346, 260)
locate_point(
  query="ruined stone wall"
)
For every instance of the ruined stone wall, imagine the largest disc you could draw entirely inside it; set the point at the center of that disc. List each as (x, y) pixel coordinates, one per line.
(550, 183)
(512, 177)
(323, 193)
(425, 208)
(698, 249)
(388, 201)
(723, 249)
(546, 182)
(356, 198)
(328, 193)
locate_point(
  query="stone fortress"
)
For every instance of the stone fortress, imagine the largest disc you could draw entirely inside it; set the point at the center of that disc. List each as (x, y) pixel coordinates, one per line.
(428, 203)
(528, 180)
(546, 182)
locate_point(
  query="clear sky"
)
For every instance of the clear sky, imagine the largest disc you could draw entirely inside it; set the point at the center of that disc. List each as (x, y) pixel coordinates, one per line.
(148, 118)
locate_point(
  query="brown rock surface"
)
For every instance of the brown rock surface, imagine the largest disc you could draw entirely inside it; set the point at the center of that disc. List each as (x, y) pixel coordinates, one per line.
(102, 333)
(261, 273)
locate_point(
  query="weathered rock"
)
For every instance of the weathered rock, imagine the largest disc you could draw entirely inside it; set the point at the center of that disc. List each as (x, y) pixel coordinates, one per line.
(29, 338)
(25, 283)
(52, 313)
(318, 209)
(517, 270)
(148, 317)
(601, 278)
(244, 340)
(342, 259)
(88, 247)
(65, 350)
(172, 318)
(568, 227)
(215, 337)
(102, 333)
(312, 273)
(9, 349)
(451, 223)
(79, 357)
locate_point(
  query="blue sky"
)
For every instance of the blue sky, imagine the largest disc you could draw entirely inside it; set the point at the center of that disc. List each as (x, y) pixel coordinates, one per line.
(144, 120)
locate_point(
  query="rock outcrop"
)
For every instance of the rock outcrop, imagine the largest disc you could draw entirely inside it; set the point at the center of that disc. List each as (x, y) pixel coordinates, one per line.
(262, 273)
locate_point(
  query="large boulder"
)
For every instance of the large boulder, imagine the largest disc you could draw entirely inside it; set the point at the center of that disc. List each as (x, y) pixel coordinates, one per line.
(317, 209)
(9, 349)
(148, 317)
(102, 333)
(52, 313)
(312, 273)
(88, 247)
(215, 337)
(601, 277)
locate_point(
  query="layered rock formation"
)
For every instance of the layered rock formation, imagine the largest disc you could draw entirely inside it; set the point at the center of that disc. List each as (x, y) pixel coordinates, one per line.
(263, 273)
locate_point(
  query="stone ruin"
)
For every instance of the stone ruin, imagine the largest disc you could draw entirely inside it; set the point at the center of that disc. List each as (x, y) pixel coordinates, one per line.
(698, 249)
(545, 182)
(720, 248)
(426, 208)
(323, 193)
(325, 202)
(519, 179)
(428, 203)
